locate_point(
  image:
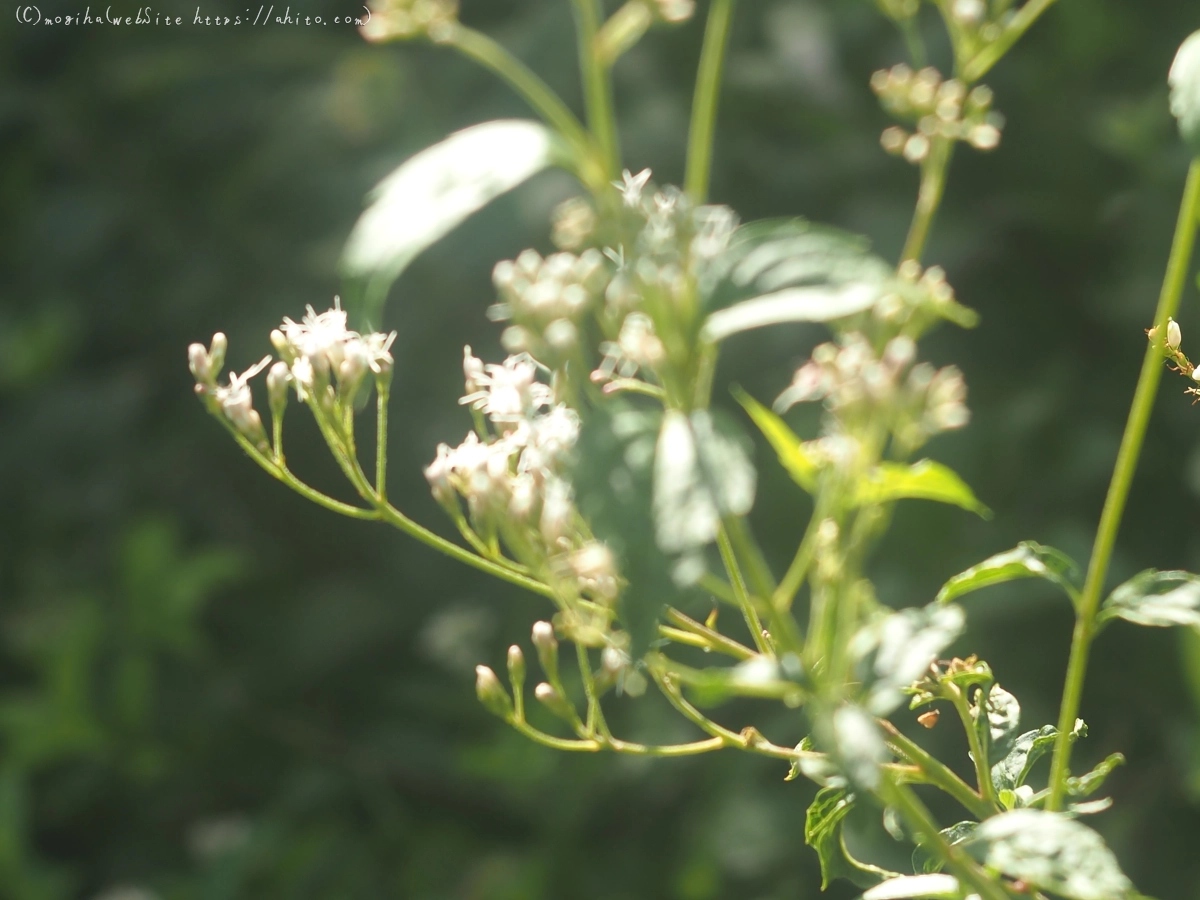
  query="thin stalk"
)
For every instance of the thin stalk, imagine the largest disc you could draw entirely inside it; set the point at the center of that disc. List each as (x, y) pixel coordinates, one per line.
(933, 185)
(597, 86)
(957, 859)
(381, 436)
(1122, 477)
(711, 638)
(595, 715)
(992, 53)
(937, 772)
(983, 772)
(739, 590)
(704, 102)
(488, 53)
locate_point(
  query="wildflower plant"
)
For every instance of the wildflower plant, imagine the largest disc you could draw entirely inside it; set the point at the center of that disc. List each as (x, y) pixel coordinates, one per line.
(599, 473)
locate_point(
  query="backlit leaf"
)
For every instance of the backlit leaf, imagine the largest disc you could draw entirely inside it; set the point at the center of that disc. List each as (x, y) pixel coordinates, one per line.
(1155, 598)
(1027, 560)
(925, 480)
(787, 445)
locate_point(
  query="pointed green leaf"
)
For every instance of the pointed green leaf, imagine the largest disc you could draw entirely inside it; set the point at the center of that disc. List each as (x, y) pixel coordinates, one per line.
(924, 861)
(1092, 781)
(786, 444)
(823, 303)
(430, 194)
(1027, 560)
(1051, 852)
(1010, 773)
(1155, 598)
(1185, 90)
(925, 480)
(823, 832)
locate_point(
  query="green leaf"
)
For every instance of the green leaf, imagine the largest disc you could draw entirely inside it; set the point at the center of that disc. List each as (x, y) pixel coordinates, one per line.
(613, 481)
(1004, 718)
(859, 745)
(1185, 90)
(799, 304)
(430, 194)
(895, 650)
(925, 480)
(793, 456)
(925, 861)
(1092, 781)
(932, 887)
(823, 832)
(1027, 560)
(773, 255)
(1052, 852)
(1155, 598)
(1010, 773)
(702, 473)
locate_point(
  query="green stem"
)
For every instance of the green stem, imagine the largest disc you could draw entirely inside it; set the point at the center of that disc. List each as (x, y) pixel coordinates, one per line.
(595, 715)
(1122, 477)
(957, 859)
(482, 49)
(937, 772)
(933, 184)
(597, 86)
(993, 52)
(739, 590)
(713, 639)
(381, 426)
(983, 772)
(704, 102)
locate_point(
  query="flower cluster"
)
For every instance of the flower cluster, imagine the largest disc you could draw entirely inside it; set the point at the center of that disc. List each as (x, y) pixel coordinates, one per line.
(940, 108)
(546, 299)
(511, 475)
(323, 360)
(1176, 359)
(860, 387)
(917, 298)
(398, 20)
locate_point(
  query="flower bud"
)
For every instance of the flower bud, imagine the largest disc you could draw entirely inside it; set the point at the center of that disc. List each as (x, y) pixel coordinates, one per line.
(281, 345)
(492, 694)
(516, 668)
(547, 648)
(216, 353)
(199, 363)
(1174, 335)
(553, 701)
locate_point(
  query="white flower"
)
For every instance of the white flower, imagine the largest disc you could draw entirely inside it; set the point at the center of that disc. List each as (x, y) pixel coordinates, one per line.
(237, 402)
(631, 186)
(509, 393)
(595, 569)
(1174, 335)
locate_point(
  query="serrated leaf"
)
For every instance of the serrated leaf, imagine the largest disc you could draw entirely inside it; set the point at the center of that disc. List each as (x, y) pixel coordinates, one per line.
(772, 255)
(1052, 852)
(702, 472)
(430, 194)
(791, 451)
(1010, 773)
(1028, 559)
(897, 649)
(1185, 90)
(924, 480)
(931, 887)
(613, 478)
(1091, 782)
(799, 304)
(823, 832)
(923, 861)
(1158, 599)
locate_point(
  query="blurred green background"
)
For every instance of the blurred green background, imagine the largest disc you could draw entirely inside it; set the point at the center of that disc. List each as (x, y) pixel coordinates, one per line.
(210, 689)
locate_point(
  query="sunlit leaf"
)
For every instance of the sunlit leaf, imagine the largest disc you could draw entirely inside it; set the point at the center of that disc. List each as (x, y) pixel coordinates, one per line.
(823, 832)
(430, 194)
(1155, 598)
(1185, 90)
(925, 480)
(787, 445)
(1004, 718)
(1010, 773)
(1052, 852)
(895, 650)
(859, 745)
(925, 861)
(702, 472)
(1092, 781)
(1027, 560)
(932, 887)
(799, 304)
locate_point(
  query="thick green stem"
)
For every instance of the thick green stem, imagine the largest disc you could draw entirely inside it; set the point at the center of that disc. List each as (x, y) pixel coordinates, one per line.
(704, 102)
(597, 86)
(933, 185)
(937, 772)
(1122, 477)
(993, 52)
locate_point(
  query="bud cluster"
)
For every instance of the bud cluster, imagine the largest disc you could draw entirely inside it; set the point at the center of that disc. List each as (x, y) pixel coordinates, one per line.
(859, 386)
(940, 108)
(320, 357)
(1176, 359)
(546, 299)
(917, 298)
(399, 20)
